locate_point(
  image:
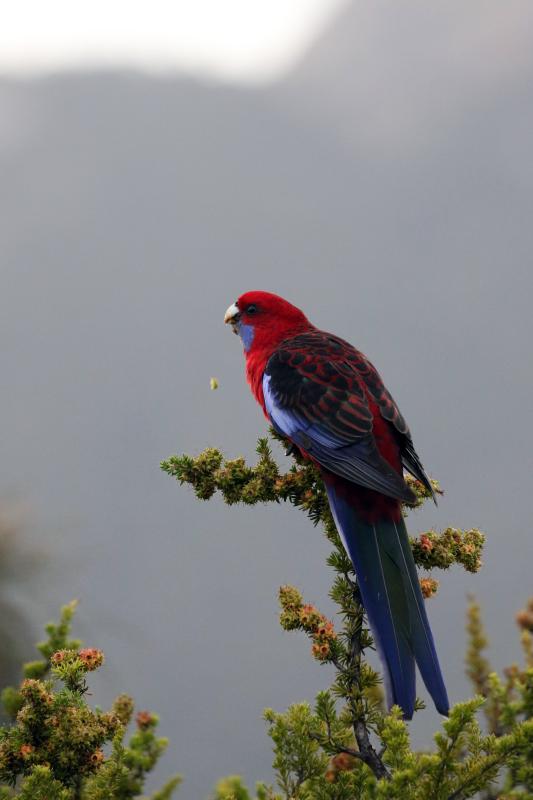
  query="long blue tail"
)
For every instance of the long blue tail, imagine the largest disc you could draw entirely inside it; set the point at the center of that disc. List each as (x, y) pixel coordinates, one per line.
(387, 577)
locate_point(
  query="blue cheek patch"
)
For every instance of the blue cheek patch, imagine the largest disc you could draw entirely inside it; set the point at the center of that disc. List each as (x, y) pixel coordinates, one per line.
(246, 332)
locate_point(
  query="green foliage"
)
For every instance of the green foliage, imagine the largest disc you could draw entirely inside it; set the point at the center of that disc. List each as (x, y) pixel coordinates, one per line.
(345, 747)
(41, 785)
(348, 747)
(302, 486)
(233, 788)
(298, 756)
(55, 747)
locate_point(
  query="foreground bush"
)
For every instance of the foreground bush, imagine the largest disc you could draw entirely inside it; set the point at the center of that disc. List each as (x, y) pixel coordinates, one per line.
(58, 747)
(347, 747)
(344, 747)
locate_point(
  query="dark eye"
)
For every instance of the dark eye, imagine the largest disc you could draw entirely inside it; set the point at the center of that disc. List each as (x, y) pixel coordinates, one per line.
(251, 309)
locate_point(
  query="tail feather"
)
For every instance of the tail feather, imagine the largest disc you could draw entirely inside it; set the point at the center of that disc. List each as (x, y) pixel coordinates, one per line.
(422, 637)
(386, 573)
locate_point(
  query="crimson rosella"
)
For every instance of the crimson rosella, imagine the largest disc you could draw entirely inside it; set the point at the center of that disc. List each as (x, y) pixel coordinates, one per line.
(328, 400)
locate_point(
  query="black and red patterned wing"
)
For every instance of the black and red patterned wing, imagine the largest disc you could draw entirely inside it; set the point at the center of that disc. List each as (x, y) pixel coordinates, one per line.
(390, 411)
(310, 374)
(373, 382)
(315, 395)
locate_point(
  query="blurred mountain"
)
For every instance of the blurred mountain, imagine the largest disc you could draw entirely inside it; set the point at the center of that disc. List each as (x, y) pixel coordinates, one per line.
(400, 77)
(387, 188)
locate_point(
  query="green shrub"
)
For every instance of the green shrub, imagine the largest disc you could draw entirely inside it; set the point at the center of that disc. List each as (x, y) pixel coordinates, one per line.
(347, 746)
(58, 747)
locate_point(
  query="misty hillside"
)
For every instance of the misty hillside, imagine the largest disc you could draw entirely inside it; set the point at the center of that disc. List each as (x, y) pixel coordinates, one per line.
(135, 209)
(398, 79)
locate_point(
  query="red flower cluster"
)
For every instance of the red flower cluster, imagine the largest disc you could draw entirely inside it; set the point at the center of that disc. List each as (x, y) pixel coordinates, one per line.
(524, 618)
(26, 750)
(295, 615)
(429, 587)
(343, 762)
(91, 657)
(145, 720)
(96, 758)
(59, 657)
(451, 546)
(320, 629)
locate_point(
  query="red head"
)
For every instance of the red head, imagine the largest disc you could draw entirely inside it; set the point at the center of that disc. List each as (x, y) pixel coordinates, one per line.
(263, 320)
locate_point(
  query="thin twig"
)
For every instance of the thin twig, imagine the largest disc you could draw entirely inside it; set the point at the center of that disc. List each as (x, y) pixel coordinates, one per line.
(362, 736)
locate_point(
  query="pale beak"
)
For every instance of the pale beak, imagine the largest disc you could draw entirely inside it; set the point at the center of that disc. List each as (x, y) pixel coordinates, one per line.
(232, 314)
